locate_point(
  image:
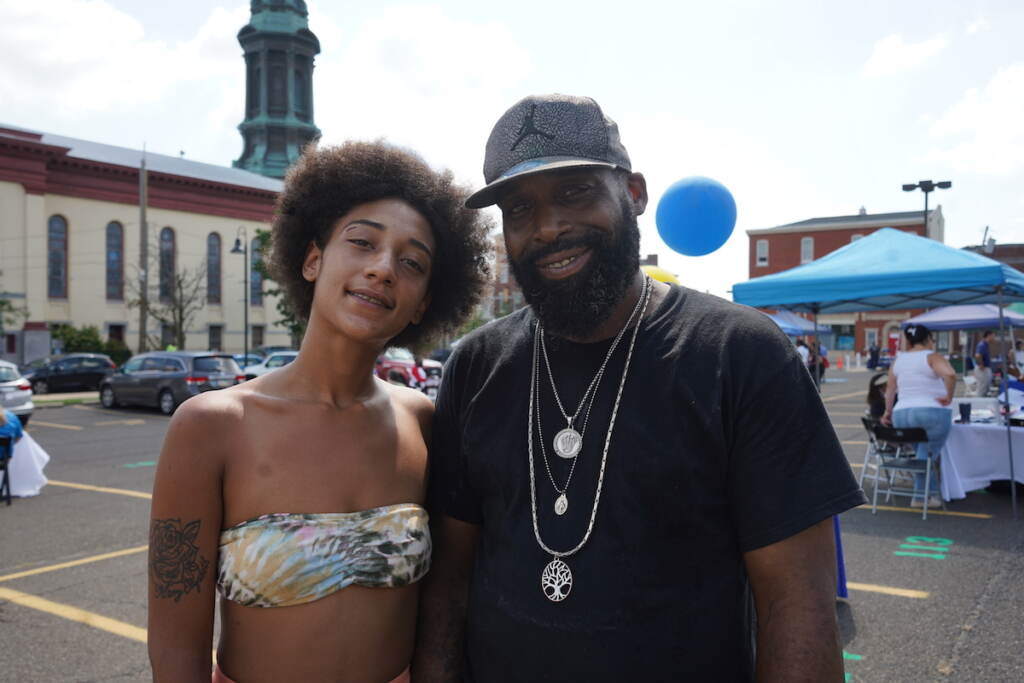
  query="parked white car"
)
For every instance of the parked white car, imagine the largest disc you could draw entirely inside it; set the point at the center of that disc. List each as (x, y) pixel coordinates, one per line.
(277, 359)
(15, 392)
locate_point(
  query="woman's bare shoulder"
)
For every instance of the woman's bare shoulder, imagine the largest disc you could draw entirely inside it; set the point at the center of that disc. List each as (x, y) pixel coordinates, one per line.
(411, 400)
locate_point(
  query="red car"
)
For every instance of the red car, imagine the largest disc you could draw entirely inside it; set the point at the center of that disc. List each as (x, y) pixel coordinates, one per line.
(402, 367)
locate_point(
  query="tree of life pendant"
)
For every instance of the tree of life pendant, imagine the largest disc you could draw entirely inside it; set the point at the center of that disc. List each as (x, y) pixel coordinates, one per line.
(556, 581)
(568, 443)
(561, 505)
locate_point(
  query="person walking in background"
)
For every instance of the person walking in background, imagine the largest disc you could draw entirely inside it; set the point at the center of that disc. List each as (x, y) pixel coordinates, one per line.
(983, 364)
(925, 381)
(298, 496)
(805, 353)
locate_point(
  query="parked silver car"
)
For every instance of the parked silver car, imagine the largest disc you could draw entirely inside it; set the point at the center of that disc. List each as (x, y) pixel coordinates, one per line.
(164, 379)
(15, 392)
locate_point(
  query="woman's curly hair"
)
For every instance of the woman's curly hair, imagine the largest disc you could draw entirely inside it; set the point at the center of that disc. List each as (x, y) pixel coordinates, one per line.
(328, 182)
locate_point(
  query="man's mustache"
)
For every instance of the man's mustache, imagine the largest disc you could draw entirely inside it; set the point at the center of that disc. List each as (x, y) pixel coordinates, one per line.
(531, 258)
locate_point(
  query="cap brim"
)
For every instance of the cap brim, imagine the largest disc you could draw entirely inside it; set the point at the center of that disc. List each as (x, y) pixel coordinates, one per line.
(488, 195)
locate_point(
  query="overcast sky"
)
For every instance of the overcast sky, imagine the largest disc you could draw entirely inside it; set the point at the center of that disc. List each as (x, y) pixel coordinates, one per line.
(802, 108)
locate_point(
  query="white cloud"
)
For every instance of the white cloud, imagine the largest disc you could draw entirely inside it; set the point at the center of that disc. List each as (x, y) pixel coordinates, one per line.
(88, 56)
(982, 132)
(977, 26)
(416, 75)
(892, 55)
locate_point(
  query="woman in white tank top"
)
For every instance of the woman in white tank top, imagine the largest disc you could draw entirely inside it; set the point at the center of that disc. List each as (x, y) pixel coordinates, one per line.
(924, 381)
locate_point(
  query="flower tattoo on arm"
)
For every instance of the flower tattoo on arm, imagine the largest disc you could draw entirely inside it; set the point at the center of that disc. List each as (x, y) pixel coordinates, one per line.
(174, 560)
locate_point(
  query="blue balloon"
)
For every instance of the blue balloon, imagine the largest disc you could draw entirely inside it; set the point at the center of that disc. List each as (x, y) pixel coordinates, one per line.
(696, 215)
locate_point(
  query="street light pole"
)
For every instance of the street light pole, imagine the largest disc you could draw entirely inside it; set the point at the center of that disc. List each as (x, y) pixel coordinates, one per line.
(927, 186)
(242, 247)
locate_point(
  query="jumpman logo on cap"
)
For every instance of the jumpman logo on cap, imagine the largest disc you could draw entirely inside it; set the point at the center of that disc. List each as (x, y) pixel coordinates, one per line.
(529, 128)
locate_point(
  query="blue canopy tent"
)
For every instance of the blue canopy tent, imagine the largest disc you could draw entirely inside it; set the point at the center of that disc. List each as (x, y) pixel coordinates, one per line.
(967, 317)
(889, 269)
(795, 325)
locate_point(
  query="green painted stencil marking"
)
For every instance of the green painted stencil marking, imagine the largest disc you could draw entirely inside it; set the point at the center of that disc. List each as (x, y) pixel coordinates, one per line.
(853, 658)
(144, 463)
(937, 546)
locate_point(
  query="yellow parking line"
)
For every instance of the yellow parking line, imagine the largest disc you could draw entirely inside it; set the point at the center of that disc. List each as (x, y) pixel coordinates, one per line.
(917, 511)
(854, 443)
(107, 423)
(887, 590)
(40, 423)
(119, 628)
(102, 489)
(74, 563)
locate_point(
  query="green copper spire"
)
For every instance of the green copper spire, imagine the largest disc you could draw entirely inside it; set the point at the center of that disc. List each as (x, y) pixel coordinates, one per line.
(279, 51)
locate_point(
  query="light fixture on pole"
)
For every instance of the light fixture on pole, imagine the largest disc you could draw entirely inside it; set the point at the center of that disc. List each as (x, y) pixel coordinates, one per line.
(242, 247)
(927, 186)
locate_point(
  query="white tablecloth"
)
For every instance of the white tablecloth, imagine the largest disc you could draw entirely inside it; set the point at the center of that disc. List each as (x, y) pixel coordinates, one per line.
(976, 455)
(26, 467)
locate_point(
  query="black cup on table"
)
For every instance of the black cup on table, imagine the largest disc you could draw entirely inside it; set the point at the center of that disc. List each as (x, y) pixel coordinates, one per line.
(965, 412)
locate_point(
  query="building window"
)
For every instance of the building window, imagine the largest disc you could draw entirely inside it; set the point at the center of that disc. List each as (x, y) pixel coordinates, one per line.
(257, 336)
(762, 253)
(255, 276)
(854, 238)
(806, 249)
(299, 95)
(167, 257)
(115, 332)
(115, 261)
(213, 268)
(870, 338)
(11, 343)
(216, 338)
(57, 257)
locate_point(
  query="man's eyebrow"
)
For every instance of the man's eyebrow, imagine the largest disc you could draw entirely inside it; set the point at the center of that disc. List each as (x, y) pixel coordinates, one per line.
(380, 226)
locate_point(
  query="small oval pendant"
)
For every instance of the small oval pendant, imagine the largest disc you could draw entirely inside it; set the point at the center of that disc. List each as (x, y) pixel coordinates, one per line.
(568, 443)
(561, 505)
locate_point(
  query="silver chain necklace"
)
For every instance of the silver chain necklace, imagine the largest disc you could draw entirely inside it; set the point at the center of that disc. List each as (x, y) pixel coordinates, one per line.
(568, 442)
(562, 502)
(556, 579)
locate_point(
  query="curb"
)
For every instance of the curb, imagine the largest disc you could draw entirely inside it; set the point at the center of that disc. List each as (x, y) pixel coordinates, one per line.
(60, 403)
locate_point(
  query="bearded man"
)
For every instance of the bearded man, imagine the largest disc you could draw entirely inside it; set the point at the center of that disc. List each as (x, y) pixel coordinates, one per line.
(629, 479)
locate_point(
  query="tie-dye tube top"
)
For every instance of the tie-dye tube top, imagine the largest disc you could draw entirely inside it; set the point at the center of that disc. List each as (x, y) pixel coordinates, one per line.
(284, 559)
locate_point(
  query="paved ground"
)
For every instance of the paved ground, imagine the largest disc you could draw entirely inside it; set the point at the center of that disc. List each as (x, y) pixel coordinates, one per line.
(73, 568)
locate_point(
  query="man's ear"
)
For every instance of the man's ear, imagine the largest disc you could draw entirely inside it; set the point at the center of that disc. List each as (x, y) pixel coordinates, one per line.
(421, 309)
(311, 264)
(636, 185)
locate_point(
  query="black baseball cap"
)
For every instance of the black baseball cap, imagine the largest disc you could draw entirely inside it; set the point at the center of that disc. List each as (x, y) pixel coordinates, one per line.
(546, 132)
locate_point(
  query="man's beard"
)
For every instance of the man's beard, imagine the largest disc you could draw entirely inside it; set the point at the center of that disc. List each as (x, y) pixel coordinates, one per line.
(577, 306)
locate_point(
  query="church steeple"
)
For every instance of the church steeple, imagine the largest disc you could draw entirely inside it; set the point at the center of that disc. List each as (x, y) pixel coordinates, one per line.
(279, 51)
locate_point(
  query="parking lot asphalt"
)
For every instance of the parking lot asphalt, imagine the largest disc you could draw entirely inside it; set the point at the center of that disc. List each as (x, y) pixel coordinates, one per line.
(73, 563)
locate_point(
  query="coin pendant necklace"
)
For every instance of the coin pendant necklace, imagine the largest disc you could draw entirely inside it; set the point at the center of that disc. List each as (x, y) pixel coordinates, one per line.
(568, 442)
(556, 579)
(562, 502)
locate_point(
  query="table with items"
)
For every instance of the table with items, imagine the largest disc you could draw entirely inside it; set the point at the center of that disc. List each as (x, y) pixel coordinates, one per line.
(977, 453)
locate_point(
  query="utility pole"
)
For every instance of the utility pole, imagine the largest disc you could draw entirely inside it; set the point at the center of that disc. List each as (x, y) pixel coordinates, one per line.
(143, 254)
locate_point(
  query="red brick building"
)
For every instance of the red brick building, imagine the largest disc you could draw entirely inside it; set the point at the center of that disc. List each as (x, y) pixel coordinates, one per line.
(773, 250)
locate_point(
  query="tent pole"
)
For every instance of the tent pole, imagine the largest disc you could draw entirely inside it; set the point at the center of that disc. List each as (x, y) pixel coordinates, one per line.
(817, 353)
(1006, 399)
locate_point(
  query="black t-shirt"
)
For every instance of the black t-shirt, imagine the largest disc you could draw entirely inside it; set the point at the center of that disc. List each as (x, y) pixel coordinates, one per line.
(721, 445)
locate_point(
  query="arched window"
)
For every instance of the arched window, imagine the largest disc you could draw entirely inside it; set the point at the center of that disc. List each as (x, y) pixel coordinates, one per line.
(57, 257)
(299, 94)
(255, 276)
(167, 254)
(213, 268)
(115, 261)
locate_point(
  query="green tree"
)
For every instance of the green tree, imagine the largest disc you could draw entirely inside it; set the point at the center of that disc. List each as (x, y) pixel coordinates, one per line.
(85, 339)
(11, 315)
(296, 326)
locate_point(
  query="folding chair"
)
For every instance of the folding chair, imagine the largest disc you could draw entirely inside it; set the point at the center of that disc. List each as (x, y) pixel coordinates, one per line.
(6, 451)
(889, 466)
(875, 451)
